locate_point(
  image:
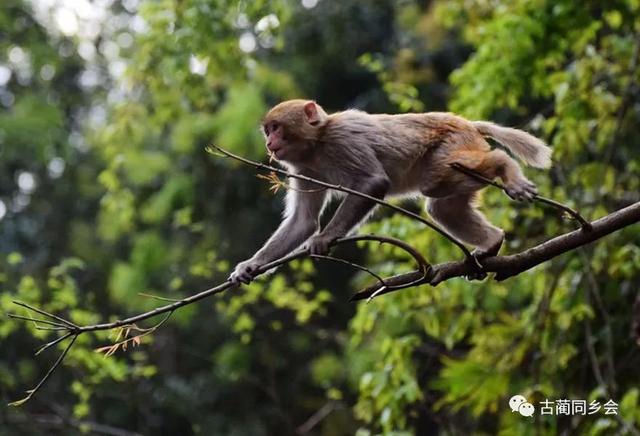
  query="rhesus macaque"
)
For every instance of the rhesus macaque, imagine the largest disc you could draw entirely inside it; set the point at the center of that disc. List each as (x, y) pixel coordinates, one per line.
(388, 155)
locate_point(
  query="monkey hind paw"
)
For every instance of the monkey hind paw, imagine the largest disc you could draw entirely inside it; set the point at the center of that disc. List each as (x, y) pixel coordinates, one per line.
(492, 250)
(477, 274)
(522, 189)
(477, 271)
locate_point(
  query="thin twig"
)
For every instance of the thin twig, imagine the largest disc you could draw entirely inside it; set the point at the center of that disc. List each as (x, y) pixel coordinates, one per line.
(43, 321)
(157, 297)
(591, 351)
(594, 288)
(52, 329)
(351, 264)
(52, 343)
(316, 418)
(424, 267)
(57, 363)
(47, 314)
(573, 213)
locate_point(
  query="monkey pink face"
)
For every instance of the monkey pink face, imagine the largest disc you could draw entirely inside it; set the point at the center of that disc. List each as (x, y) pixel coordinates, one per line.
(291, 129)
(276, 144)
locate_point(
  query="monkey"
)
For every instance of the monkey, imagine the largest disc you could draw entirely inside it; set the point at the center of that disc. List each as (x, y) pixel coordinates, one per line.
(386, 155)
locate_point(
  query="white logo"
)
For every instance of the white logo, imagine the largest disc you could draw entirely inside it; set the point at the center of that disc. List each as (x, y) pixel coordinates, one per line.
(519, 404)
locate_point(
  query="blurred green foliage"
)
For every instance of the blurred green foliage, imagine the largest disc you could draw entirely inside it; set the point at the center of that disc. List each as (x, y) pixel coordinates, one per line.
(106, 192)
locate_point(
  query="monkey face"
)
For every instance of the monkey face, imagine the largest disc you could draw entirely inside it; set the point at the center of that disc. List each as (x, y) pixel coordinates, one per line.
(275, 140)
(291, 128)
(285, 146)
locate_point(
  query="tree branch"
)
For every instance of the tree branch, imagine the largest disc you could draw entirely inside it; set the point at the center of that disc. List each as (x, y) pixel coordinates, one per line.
(508, 266)
(73, 330)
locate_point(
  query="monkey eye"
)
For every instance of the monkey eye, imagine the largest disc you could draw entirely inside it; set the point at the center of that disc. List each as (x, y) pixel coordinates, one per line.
(271, 127)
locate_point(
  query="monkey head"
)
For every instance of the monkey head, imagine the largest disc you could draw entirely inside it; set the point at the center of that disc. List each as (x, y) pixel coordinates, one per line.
(292, 128)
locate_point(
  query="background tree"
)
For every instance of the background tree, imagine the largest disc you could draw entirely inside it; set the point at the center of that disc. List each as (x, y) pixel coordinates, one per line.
(107, 192)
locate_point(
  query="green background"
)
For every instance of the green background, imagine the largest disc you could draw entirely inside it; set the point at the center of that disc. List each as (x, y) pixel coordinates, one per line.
(106, 191)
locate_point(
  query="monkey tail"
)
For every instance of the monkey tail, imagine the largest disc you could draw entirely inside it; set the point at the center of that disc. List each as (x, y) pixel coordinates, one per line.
(528, 148)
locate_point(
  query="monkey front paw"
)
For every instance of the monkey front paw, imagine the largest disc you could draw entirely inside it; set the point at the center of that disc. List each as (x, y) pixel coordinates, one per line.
(244, 272)
(521, 190)
(319, 244)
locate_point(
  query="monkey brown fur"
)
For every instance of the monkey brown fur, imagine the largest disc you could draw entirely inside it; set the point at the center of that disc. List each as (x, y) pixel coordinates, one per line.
(388, 155)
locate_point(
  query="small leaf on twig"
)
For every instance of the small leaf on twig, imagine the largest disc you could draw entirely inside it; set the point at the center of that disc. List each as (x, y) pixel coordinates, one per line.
(118, 334)
(20, 402)
(274, 180)
(212, 150)
(108, 350)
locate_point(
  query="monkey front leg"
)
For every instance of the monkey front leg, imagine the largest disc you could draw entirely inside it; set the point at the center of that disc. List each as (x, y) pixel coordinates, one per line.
(303, 208)
(352, 210)
(291, 233)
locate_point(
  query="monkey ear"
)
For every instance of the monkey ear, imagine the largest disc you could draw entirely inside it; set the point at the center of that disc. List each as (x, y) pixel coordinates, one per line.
(311, 113)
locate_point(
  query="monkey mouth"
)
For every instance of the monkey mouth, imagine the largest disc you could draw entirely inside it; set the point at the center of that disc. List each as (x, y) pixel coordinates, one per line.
(274, 151)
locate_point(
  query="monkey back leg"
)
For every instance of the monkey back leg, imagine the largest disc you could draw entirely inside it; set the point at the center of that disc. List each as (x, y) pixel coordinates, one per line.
(436, 178)
(497, 163)
(458, 214)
